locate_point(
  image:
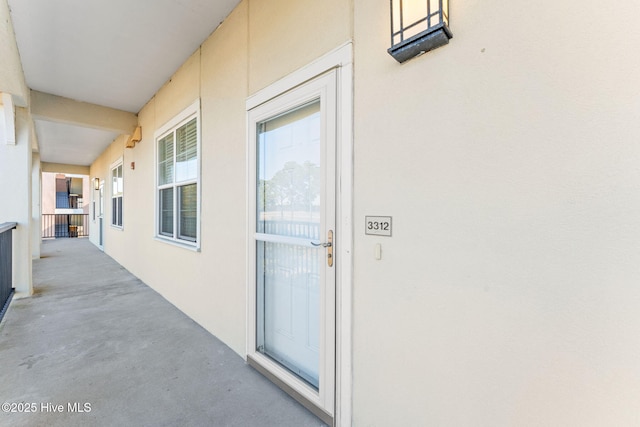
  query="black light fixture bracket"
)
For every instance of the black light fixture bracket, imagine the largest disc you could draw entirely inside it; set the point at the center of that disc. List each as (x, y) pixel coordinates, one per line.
(433, 38)
(418, 26)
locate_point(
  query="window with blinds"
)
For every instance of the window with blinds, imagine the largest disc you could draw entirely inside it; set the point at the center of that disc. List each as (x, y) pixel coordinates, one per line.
(178, 181)
(117, 191)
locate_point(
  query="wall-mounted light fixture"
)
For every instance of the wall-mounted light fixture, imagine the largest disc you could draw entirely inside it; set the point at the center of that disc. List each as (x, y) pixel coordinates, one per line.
(135, 137)
(96, 183)
(418, 26)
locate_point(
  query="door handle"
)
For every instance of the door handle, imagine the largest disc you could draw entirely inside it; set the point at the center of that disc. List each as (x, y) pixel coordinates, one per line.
(329, 245)
(324, 245)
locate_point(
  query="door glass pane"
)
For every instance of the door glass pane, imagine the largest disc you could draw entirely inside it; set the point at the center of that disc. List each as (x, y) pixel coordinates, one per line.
(289, 204)
(289, 307)
(188, 212)
(101, 196)
(166, 212)
(288, 173)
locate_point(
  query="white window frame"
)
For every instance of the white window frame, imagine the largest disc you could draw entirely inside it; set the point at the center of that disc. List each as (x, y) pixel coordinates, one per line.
(115, 165)
(186, 115)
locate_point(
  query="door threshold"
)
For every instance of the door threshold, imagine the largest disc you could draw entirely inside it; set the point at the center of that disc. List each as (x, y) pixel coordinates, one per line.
(312, 407)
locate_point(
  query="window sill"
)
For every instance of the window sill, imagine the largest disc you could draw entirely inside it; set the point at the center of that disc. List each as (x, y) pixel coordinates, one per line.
(191, 247)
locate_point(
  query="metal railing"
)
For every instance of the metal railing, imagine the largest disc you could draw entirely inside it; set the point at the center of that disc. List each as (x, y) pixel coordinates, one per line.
(65, 225)
(300, 229)
(6, 262)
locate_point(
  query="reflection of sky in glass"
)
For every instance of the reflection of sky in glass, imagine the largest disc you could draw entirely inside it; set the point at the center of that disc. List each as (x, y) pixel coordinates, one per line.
(294, 136)
(187, 169)
(288, 204)
(187, 151)
(117, 185)
(289, 173)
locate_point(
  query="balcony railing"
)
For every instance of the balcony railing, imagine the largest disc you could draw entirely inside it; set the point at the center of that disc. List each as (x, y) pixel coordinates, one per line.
(65, 225)
(6, 260)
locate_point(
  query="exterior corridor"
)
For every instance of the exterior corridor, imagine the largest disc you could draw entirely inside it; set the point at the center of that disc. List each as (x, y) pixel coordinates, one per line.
(96, 346)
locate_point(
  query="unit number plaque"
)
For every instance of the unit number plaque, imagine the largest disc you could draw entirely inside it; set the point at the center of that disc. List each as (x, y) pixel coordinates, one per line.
(377, 225)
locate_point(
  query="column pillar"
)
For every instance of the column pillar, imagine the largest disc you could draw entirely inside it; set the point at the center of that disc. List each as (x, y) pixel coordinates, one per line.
(36, 206)
(15, 199)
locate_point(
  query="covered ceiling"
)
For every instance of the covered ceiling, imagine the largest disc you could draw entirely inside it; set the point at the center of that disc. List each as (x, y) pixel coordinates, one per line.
(111, 53)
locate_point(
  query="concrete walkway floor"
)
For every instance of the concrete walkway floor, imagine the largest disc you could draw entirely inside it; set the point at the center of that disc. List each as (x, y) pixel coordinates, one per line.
(97, 347)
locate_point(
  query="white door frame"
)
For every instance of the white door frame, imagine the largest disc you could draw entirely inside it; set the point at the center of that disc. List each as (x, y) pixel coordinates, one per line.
(339, 60)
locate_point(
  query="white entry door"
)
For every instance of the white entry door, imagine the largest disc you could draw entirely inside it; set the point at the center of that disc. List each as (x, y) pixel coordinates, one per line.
(293, 227)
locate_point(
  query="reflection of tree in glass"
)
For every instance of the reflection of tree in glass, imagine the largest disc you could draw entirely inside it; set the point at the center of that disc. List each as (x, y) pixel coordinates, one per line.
(295, 187)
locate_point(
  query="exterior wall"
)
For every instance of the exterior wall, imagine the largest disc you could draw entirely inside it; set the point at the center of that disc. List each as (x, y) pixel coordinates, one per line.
(241, 56)
(508, 160)
(66, 169)
(11, 76)
(86, 195)
(285, 35)
(113, 237)
(508, 293)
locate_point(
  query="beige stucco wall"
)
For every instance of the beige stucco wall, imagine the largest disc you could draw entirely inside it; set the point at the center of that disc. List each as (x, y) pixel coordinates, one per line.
(114, 242)
(508, 160)
(11, 75)
(66, 169)
(508, 294)
(86, 195)
(241, 56)
(285, 35)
